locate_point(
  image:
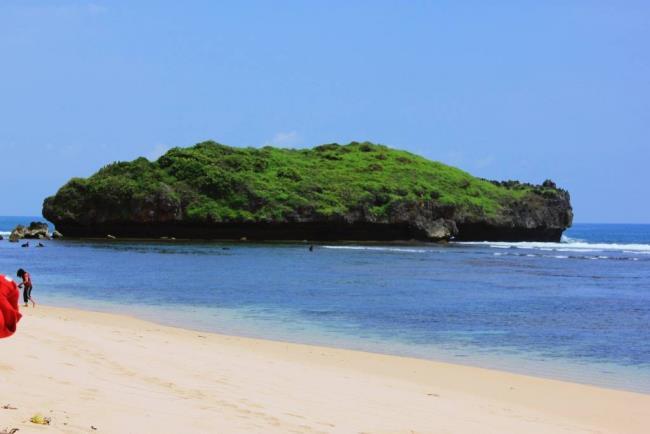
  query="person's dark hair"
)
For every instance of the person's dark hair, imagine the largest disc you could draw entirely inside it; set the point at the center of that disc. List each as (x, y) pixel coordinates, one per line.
(20, 272)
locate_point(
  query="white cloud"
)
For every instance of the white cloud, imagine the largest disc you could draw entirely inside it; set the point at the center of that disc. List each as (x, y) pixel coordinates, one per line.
(455, 158)
(285, 139)
(157, 151)
(484, 162)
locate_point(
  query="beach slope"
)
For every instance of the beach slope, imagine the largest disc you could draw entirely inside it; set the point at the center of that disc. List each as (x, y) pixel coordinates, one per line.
(105, 373)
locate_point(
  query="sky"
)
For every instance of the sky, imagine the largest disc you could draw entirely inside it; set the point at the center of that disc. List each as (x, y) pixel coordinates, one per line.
(525, 90)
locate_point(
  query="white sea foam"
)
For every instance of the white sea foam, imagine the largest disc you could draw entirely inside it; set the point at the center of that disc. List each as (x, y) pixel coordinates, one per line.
(378, 249)
(565, 239)
(574, 246)
(575, 250)
(562, 247)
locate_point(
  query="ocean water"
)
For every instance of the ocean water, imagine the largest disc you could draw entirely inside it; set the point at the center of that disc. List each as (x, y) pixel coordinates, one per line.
(578, 310)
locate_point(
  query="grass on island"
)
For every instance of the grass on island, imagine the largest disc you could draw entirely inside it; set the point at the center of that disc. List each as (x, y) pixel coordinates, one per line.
(214, 182)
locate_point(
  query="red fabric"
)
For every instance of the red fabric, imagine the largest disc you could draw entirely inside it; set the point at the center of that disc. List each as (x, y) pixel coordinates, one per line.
(9, 313)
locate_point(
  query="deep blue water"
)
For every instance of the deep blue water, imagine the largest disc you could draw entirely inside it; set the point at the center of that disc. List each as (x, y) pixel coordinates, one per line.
(576, 310)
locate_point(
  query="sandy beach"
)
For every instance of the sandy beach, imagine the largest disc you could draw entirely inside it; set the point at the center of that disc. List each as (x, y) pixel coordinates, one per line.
(97, 372)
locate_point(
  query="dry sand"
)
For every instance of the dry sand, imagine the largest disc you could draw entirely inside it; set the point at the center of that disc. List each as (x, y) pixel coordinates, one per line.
(123, 375)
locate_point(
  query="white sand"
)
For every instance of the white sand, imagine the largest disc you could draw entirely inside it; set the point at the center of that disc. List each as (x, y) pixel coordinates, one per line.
(123, 375)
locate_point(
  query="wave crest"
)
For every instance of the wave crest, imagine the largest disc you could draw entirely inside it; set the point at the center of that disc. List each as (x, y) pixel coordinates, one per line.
(378, 249)
(568, 246)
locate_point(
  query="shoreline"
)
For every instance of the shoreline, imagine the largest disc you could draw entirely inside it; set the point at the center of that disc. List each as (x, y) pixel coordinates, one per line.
(122, 374)
(568, 371)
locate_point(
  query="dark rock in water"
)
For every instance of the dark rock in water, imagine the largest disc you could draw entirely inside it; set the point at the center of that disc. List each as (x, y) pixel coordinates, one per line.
(40, 245)
(17, 234)
(359, 192)
(38, 230)
(25, 245)
(1, 238)
(35, 231)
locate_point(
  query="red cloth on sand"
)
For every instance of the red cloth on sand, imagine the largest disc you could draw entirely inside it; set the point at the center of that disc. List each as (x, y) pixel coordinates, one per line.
(9, 313)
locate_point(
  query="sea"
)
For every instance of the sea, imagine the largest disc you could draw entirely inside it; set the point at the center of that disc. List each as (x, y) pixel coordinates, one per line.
(577, 310)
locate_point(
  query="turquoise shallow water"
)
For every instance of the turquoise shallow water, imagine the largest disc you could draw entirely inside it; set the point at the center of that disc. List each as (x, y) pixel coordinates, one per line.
(577, 310)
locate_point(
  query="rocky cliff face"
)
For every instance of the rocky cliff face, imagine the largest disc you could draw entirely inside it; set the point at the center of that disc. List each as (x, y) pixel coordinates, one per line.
(377, 202)
(535, 218)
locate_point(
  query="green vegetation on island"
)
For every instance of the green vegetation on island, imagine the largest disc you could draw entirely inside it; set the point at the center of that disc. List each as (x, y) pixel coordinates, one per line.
(212, 183)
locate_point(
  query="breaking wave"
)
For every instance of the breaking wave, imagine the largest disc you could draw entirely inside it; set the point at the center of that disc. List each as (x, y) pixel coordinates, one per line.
(565, 246)
(378, 249)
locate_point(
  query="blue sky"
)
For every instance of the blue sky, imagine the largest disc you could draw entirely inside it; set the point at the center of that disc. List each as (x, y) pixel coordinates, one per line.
(523, 90)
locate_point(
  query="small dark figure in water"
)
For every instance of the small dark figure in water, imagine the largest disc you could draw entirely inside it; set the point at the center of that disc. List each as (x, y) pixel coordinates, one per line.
(25, 245)
(40, 245)
(27, 287)
(311, 248)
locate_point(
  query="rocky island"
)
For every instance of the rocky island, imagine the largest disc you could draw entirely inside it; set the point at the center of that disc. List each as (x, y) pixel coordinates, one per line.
(358, 191)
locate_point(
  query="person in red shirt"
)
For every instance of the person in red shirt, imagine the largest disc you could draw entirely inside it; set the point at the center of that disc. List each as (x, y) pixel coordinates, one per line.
(9, 313)
(27, 287)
